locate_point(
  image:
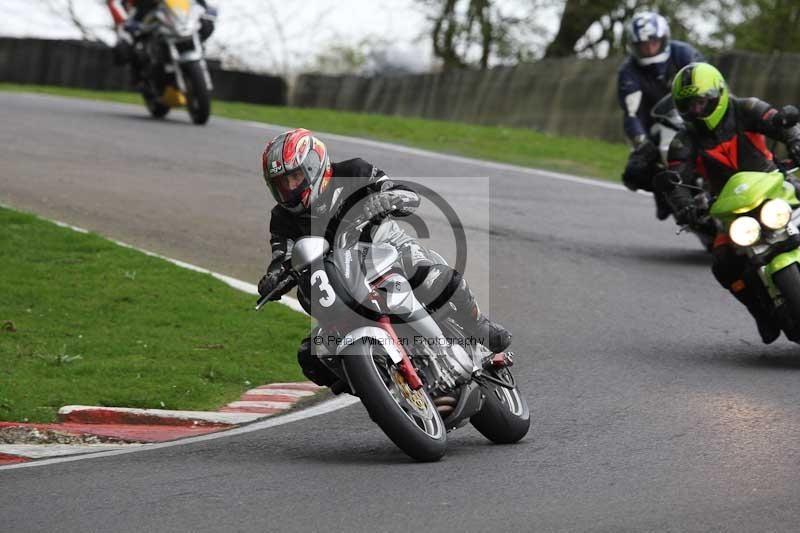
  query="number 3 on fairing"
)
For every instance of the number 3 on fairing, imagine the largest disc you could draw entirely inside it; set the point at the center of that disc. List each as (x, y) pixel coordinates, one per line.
(324, 285)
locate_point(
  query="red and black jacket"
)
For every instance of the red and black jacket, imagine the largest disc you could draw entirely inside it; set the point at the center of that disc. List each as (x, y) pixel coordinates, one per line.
(737, 144)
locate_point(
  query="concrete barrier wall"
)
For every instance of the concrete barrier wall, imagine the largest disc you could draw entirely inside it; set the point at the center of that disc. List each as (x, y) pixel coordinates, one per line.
(559, 96)
(566, 97)
(89, 66)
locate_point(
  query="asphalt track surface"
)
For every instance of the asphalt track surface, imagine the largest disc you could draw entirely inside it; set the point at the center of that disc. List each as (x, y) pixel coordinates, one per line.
(654, 405)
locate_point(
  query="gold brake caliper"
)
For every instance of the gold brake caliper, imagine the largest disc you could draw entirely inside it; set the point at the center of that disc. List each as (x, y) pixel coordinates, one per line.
(413, 397)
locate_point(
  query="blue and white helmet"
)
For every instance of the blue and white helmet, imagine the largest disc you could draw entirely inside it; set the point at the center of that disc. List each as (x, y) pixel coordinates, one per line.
(648, 38)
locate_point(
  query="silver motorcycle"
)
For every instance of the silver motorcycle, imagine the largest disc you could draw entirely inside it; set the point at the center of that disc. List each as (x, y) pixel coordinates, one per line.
(418, 377)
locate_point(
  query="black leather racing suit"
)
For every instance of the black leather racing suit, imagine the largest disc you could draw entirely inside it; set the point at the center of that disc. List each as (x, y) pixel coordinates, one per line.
(737, 144)
(352, 181)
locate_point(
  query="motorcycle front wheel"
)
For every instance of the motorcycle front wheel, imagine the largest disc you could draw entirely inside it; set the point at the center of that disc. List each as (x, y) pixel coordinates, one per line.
(197, 94)
(787, 280)
(409, 418)
(504, 417)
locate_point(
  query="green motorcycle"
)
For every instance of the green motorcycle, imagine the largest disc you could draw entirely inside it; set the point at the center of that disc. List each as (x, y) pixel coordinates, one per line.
(756, 210)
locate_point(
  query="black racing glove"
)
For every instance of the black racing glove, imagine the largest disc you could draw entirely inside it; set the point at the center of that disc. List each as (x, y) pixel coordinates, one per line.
(207, 23)
(687, 215)
(682, 204)
(380, 205)
(787, 117)
(268, 283)
(793, 147)
(275, 273)
(680, 200)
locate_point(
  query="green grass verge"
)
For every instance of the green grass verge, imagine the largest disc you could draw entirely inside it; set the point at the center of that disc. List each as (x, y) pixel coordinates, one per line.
(85, 321)
(585, 157)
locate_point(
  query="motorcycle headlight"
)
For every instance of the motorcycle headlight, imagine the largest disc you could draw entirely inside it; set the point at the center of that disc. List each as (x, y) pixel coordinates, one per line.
(745, 231)
(775, 214)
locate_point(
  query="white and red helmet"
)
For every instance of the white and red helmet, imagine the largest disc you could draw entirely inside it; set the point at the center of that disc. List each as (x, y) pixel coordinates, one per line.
(297, 169)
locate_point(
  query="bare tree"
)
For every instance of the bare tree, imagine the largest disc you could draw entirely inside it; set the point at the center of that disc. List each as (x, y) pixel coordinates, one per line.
(476, 32)
(67, 10)
(264, 35)
(595, 27)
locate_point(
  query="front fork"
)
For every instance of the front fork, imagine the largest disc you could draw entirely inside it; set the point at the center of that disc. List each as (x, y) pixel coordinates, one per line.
(780, 262)
(405, 367)
(178, 59)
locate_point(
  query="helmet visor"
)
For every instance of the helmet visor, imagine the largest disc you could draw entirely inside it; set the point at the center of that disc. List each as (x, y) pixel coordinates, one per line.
(649, 48)
(701, 106)
(291, 188)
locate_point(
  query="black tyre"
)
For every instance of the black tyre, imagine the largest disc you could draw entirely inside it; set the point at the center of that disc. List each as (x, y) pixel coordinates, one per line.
(504, 417)
(409, 418)
(197, 93)
(788, 282)
(156, 108)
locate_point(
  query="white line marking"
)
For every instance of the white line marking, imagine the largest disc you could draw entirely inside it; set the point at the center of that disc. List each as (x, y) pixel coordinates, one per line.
(305, 386)
(323, 408)
(36, 451)
(213, 417)
(260, 404)
(283, 392)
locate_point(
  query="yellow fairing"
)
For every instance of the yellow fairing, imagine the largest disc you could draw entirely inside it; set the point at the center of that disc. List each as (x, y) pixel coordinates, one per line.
(172, 97)
(178, 5)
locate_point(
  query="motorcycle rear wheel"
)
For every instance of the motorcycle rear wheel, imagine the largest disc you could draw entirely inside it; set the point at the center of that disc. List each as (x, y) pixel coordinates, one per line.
(408, 418)
(505, 417)
(156, 108)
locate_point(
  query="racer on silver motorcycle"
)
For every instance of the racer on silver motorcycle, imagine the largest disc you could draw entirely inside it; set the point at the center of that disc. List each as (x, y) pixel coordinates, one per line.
(307, 187)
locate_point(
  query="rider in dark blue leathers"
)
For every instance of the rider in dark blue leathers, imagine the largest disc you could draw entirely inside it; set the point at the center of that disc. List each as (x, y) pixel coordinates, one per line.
(645, 78)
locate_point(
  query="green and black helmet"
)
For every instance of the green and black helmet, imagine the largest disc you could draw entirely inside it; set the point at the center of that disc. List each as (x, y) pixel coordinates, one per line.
(700, 93)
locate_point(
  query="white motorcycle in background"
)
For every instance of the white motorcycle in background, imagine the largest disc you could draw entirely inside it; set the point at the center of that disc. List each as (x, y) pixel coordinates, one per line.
(171, 61)
(667, 122)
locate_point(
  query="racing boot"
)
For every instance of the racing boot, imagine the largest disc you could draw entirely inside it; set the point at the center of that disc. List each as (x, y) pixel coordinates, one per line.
(488, 333)
(663, 211)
